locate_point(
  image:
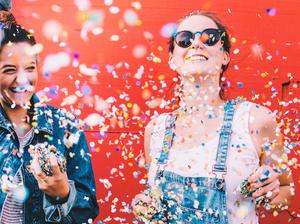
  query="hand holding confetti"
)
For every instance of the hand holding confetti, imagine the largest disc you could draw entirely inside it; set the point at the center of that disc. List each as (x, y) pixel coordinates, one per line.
(148, 206)
(43, 151)
(263, 185)
(49, 169)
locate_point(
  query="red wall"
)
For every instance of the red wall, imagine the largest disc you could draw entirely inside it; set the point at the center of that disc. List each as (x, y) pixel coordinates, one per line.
(266, 53)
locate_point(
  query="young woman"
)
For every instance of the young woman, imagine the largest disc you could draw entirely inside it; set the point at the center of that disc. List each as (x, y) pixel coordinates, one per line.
(46, 173)
(200, 154)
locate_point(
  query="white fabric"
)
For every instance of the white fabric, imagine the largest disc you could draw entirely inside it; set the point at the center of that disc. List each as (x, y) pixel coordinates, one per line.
(242, 160)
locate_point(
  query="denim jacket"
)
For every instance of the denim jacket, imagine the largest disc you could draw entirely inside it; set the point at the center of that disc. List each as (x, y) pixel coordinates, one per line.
(57, 127)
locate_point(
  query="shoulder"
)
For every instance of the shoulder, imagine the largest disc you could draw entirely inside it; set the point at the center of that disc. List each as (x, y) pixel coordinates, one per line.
(62, 117)
(261, 117)
(60, 112)
(263, 127)
(156, 123)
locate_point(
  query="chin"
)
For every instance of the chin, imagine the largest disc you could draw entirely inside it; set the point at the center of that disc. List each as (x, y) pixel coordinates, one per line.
(17, 102)
(195, 71)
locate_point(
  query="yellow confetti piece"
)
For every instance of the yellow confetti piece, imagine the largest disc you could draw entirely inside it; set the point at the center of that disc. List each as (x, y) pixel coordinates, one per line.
(264, 74)
(233, 40)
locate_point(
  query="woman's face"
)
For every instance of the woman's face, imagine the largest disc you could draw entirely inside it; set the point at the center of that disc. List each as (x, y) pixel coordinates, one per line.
(198, 58)
(18, 74)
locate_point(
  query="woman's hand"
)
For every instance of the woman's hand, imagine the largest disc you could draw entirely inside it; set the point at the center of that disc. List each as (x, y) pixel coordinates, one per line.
(265, 181)
(54, 186)
(146, 209)
(139, 204)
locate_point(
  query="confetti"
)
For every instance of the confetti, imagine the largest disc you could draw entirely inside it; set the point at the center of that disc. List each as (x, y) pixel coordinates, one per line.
(52, 29)
(168, 30)
(94, 119)
(130, 17)
(271, 12)
(139, 51)
(82, 5)
(54, 62)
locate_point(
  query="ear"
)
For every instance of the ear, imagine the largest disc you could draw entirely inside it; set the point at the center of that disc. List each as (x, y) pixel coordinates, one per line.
(226, 58)
(171, 63)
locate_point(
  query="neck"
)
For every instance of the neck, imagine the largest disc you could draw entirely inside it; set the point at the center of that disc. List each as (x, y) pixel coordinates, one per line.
(200, 93)
(17, 115)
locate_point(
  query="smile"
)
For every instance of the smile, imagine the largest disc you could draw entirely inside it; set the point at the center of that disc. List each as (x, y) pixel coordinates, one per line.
(19, 89)
(196, 57)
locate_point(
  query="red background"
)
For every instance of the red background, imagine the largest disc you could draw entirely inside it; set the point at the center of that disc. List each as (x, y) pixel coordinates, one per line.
(266, 34)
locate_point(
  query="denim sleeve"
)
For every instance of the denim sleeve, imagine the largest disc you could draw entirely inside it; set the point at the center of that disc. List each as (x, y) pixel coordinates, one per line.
(54, 211)
(79, 169)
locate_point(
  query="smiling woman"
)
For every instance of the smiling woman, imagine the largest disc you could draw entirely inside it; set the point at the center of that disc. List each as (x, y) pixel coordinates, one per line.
(18, 74)
(46, 173)
(213, 160)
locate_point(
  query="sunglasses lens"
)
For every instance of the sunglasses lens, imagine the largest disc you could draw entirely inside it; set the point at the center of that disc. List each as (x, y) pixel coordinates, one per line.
(184, 39)
(210, 37)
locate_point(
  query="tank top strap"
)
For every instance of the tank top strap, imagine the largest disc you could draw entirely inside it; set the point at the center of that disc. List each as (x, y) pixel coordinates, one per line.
(224, 139)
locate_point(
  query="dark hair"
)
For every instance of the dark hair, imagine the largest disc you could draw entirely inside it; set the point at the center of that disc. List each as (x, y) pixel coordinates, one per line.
(11, 32)
(5, 5)
(224, 38)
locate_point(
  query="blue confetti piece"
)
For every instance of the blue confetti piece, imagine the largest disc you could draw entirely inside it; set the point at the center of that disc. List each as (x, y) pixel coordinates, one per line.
(109, 68)
(240, 84)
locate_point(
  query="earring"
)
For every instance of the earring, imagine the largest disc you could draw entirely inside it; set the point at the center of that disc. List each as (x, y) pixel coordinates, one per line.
(172, 64)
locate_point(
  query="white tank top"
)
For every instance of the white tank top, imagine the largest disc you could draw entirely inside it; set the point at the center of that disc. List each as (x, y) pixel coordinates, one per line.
(242, 160)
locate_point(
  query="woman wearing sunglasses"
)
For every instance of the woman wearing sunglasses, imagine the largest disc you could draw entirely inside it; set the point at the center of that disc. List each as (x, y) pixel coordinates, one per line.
(46, 174)
(213, 160)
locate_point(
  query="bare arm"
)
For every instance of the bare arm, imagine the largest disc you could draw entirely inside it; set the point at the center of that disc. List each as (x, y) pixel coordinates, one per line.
(266, 137)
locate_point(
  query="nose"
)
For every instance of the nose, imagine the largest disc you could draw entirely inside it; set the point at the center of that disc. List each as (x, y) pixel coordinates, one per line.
(21, 78)
(197, 43)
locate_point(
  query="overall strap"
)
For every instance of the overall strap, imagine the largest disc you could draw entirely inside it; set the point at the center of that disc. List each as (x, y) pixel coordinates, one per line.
(224, 139)
(167, 142)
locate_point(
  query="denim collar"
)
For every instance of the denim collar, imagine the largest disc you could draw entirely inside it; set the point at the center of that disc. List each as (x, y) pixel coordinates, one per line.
(39, 117)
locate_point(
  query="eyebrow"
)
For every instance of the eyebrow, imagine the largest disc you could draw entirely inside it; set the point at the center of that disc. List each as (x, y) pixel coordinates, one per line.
(7, 66)
(13, 66)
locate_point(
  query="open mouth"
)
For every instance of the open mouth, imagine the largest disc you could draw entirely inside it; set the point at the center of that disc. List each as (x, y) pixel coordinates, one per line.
(196, 57)
(20, 89)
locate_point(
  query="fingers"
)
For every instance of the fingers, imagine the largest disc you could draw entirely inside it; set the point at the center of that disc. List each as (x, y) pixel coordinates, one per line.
(271, 179)
(54, 165)
(270, 191)
(140, 199)
(263, 176)
(37, 171)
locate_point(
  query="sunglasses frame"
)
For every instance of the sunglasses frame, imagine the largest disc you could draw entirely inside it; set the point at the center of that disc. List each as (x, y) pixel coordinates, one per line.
(201, 33)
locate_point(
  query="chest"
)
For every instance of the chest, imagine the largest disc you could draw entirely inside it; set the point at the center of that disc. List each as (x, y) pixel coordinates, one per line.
(195, 132)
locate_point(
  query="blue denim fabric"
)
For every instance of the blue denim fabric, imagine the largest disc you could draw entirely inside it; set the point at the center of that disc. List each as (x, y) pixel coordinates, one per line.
(58, 128)
(193, 199)
(196, 199)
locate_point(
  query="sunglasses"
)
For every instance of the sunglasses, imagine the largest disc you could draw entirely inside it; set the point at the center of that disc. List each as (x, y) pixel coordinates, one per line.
(208, 37)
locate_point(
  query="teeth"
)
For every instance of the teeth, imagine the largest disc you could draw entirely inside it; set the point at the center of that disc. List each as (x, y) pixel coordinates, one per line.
(22, 89)
(197, 57)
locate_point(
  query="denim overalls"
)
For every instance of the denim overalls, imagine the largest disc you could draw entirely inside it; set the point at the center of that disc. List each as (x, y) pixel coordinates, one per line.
(196, 199)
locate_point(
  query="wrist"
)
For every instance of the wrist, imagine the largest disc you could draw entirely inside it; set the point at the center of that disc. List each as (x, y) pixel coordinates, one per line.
(60, 198)
(64, 194)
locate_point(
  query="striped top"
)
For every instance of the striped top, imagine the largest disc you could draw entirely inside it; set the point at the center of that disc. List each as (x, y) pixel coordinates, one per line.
(13, 207)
